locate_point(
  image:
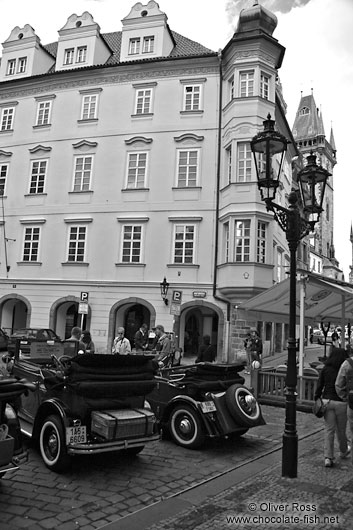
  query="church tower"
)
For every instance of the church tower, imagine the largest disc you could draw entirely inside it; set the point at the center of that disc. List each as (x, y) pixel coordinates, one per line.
(309, 133)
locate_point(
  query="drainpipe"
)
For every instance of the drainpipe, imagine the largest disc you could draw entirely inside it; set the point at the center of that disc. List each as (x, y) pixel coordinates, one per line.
(219, 147)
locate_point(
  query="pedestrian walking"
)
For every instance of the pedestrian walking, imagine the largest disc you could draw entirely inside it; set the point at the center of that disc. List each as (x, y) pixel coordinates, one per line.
(253, 348)
(335, 415)
(121, 344)
(343, 386)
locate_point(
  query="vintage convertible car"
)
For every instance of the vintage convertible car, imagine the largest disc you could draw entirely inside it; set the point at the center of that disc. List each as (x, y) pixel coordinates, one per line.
(85, 404)
(204, 400)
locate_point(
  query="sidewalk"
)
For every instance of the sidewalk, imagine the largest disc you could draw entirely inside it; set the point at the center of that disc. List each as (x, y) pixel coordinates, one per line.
(255, 495)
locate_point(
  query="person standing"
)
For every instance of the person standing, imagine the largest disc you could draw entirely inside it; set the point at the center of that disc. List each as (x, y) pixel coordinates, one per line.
(76, 337)
(141, 338)
(253, 347)
(336, 409)
(163, 344)
(121, 344)
(207, 352)
(87, 340)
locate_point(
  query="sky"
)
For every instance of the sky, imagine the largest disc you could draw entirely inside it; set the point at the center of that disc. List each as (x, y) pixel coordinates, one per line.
(318, 38)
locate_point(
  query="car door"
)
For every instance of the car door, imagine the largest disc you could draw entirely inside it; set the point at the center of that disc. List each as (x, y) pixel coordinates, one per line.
(30, 402)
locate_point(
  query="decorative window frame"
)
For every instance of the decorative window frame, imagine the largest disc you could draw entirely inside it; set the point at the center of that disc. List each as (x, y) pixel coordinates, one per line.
(193, 82)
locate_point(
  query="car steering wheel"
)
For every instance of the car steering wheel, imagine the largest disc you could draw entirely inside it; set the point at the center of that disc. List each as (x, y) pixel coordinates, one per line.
(65, 361)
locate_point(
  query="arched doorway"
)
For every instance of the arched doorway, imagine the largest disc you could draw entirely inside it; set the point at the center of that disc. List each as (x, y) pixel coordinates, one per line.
(130, 313)
(64, 316)
(15, 313)
(198, 319)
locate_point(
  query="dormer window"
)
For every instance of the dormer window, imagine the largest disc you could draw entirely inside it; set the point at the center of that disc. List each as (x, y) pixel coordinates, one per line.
(11, 67)
(81, 54)
(22, 64)
(148, 44)
(134, 46)
(303, 111)
(69, 56)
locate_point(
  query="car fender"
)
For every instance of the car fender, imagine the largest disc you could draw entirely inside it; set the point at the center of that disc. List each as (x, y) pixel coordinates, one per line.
(177, 400)
(48, 407)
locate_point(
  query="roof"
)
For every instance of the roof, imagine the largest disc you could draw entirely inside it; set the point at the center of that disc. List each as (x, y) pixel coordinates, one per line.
(308, 123)
(184, 47)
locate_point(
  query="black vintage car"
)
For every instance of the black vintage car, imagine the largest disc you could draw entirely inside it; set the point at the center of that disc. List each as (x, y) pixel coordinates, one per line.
(84, 404)
(204, 400)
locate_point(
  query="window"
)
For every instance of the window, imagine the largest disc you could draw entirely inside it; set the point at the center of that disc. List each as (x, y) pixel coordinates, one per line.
(244, 162)
(184, 242)
(226, 241)
(279, 264)
(192, 97)
(143, 101)
(261, 242)
(38, 173)
(83, 172)
(242, 241)
(188, 162)
(303, 111)
(22, 64)
(264, 85)
(81, 54)
(231, 88)
(132, 244)
(3, 175)
(69, 56)
(11, 67)
(136, 173)
(77, 244)
(246, 84)
(89, 107)
(7, 116)
(43, 112)
(134, 46)
(148, 45)
(31, 243)
(229, 162)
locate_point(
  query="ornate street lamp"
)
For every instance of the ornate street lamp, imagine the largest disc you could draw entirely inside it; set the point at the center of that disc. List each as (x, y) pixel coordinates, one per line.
(164, 285)
(312, 182)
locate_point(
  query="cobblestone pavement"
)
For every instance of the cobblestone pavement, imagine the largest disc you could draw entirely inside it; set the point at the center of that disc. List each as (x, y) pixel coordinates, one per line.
(103, 488)
(320, 497)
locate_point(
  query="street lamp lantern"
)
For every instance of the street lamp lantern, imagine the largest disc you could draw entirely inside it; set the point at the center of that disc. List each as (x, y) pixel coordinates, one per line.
(164, 285)
(265, 145)
(312, 182)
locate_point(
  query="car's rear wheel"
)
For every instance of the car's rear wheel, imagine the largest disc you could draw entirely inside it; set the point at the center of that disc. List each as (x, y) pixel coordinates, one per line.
(243, 406)
(52, 444)
(185, 427)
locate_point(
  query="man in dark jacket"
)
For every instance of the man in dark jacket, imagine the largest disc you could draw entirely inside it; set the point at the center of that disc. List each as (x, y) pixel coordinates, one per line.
(141, 338)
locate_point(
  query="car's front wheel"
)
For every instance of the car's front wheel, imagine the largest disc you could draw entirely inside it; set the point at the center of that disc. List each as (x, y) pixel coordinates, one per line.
(185, 427)
(52, 444)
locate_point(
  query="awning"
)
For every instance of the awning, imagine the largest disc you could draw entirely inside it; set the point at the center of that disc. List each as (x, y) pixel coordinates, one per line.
(325, 300)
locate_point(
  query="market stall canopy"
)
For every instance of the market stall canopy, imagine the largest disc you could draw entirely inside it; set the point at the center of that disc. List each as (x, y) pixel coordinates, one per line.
(325, 300)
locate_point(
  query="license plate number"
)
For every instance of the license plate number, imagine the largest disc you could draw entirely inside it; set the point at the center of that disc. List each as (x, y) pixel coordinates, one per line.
(208, 406)
(76, 435)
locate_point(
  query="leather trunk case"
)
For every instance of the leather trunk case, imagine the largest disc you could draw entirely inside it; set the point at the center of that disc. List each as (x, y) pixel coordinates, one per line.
(120, 424)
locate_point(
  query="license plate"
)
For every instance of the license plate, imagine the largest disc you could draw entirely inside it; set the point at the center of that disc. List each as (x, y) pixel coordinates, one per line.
(76, 435)
(208, 406)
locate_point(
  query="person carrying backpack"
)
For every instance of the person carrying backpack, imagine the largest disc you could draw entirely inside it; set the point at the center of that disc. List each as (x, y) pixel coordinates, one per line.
(344, 389)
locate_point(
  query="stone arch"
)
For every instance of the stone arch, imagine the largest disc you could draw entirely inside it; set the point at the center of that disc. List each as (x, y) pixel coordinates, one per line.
(19, 298)
(127, 301)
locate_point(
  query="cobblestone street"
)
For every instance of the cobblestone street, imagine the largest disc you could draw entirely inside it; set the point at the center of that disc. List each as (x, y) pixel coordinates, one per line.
(101, 489)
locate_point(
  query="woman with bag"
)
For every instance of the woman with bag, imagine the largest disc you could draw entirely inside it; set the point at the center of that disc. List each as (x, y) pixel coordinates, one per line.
(335, 415)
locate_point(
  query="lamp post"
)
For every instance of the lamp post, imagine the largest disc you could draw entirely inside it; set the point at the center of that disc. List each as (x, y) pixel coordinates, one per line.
(164, 285)
(312, 182)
